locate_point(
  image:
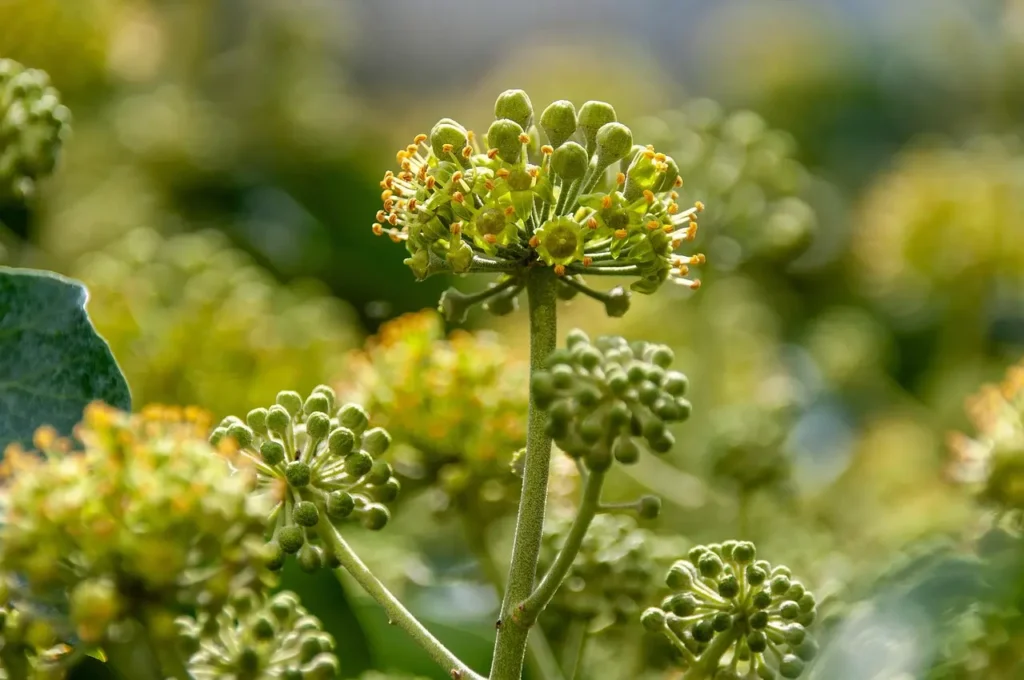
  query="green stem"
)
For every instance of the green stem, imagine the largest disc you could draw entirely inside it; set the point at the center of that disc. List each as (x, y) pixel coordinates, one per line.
(706, 668)
(510, 645)
(396, 612)
(531, 608)
(599, 270)
(578, 635)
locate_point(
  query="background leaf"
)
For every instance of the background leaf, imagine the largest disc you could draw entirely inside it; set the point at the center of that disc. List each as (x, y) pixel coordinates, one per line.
(53, 361)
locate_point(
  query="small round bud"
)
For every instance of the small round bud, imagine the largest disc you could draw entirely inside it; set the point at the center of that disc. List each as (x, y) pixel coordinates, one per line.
(264, 629)
(807, 649)
(375, 517)
(625, 450)
(516, 106)
(729, 587)
(662, 356)
(503, 135)
(323, 667)
(592, 117)
(318, 425)
(796, 591)
(744, 552)
(358, 464)
(756, 575)
(795, 633)
(680, 576)
(791, 666)
(448, 134)
(388, 491)
(310, 559)
(806, 602)
(218, 435)
(653, 619)
(614, 140)
(328, 392)
(789, 610)
(257, 420)
(757, 641)
(380, 473)
(558, 121)
(616, 304)
(758, 620)
(543, 387)
(710, 565)
(598, 460)
(354, 418)
(272, 452)
(275, 556)
(664, 443)
(376, 441)
(675, 383)
(291, 401)
(570, 162)
(780, 584)
(722, 622)
(291, 539)
(242, 435)
(298, 474)
(278, 419)
(576, 337)
(340, 504)
(649, 507)
(305, 514)
(703, 631)
(341, 442)
(316, 403)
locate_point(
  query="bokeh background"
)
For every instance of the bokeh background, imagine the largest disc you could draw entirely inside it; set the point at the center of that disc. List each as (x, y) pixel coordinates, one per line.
(864, 174)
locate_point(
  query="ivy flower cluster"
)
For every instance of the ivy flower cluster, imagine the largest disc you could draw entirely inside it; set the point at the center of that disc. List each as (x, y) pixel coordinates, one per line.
(614, 574)
(570, 191)
(315, 463)
(732, 616)
(454, 405)
(146, 519)
(604, 397)
(258, 637)
(992, 461)
(33, 127)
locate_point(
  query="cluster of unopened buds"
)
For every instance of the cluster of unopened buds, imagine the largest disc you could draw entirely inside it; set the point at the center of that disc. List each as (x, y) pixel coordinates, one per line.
(603, 397)
(315, 462)
(732, 616)
(569, 191)
(33, 126)
(257, 637)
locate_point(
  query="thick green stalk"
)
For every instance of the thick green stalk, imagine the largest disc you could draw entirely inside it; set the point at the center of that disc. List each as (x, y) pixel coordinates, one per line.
(531, 608)
(396, 612)
(706, 668)
(510, 646)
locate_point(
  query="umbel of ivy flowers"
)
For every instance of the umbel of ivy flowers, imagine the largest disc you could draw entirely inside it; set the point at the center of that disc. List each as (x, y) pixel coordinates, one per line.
(992, 461)
(314, 463)
(455, 406)
(144, 520)
(731, 616)
(33, 126)
(569, 190)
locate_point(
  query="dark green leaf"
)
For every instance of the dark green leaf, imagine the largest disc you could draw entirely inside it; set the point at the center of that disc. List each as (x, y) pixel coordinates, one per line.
(52, 361)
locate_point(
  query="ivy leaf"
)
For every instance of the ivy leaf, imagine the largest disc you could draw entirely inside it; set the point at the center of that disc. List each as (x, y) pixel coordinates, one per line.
(52, 361)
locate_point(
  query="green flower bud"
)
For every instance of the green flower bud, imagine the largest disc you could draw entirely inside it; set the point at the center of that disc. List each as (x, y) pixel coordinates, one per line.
(592, 117)
(257, 420)
(275, 556)
(305, 514)
(744, 552)
(380, 473)
(318, 425)
(758, 620)
(278, 419)
(298, 474)
(328, 392)
(358, 464)
(756, 575)
(272, 452)
(504, 135)
(388, 491)
(780, 584)
(376, 441)
(291, 401)
(354, 418)
(447, 140)
(503, 303)
(576, 337)
(728, 587)
(558, 121)
(241, 434)
(789, 610)
(310, 558)
(710, 565)
(598, 459)
(616, 302)
(791, 666)
(680, 576)
(375, 517)
(757, 641)
(516, 106)
(703, 631)
(649, 507)
(341, 442)
(570, 162)
(613, 141)
(291, 538)
(722, 622)
(626, 450)
(340, 505)
(316, 403)
(653, 619)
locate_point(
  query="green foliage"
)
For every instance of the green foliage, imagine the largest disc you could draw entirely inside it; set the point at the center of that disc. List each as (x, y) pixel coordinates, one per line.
(54, 362)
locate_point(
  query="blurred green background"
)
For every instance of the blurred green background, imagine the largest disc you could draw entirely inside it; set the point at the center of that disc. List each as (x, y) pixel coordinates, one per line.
(864, 177)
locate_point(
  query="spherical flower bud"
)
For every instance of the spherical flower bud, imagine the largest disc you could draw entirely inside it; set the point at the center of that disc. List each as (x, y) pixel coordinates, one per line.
(504, 135)
(290, 401)
(380, 473)
(447, 140)
(316, 403)
(305, 514)
(616, 304)
(291, 539)
(341, 441)
(376, 441)
(570, 161)
(516, 106)
(743, 626)
(310, 558)
(354, 418)
(649, 507)
(241, 434)
(271, 452)
(558, 121)
(318, 425)
(278, 419)
(257, 420)
(375, 517)
(653, 619)
(358, 464)
(340, 505)
(613, 141)
(298, 473)
(592, 117)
